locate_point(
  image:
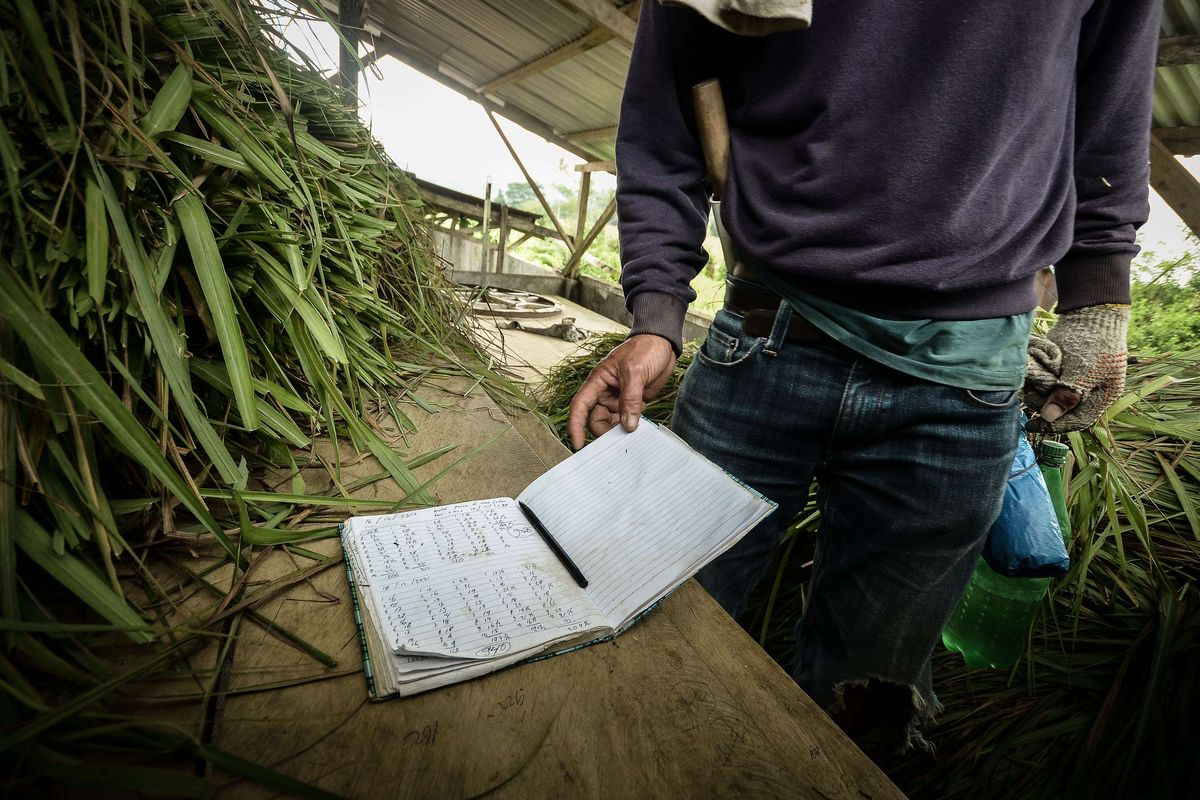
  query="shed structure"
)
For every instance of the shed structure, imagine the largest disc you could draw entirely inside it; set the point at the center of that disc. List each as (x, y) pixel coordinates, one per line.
(557, 67)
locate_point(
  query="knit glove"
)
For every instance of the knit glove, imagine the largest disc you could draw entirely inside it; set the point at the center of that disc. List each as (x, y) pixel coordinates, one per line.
(1078, 369)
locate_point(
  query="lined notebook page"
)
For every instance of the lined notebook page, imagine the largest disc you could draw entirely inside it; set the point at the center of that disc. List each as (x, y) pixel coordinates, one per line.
(471, 580)
(639, 513)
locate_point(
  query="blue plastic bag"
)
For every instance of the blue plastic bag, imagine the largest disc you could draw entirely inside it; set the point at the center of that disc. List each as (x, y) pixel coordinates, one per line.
(1026, 540)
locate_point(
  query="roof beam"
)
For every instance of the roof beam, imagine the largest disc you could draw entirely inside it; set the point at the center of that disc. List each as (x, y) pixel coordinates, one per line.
(597, 166)
(444, 201)
(606, 15)
(1182, 141)
(595, 36)
(1175, 184)
(1177, 51)
(592, 134)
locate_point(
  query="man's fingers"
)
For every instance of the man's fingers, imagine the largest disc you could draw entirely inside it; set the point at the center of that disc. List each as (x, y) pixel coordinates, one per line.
(631, 403)
(601, 420)
(1060, 401)
(581, 406)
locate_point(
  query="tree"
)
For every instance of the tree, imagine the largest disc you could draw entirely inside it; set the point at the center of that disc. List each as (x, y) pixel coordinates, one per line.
(1166, 307)
(520, 196)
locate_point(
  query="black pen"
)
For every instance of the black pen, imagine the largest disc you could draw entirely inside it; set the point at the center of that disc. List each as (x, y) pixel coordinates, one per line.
(558, 551)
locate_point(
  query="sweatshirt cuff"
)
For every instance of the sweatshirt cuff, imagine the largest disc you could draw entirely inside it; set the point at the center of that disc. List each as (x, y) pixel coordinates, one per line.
(1092, 280)
(660, 314)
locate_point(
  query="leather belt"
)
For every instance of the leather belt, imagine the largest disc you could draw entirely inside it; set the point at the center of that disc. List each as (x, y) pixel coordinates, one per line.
(759, 308)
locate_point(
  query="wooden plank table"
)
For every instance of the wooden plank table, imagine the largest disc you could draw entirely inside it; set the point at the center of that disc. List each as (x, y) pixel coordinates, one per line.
(685, 703)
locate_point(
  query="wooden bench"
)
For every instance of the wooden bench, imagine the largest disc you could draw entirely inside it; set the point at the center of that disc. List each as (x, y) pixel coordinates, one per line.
(684, 704)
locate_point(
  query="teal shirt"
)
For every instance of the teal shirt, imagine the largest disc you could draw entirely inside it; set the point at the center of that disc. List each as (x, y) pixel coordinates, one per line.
(982, 354)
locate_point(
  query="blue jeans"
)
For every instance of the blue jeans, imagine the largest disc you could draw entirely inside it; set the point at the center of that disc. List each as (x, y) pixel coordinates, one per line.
(910, 476)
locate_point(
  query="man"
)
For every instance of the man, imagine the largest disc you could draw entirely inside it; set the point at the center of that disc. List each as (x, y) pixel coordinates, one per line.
(899, 174)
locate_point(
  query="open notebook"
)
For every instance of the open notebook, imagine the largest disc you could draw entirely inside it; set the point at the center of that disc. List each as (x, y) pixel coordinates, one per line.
(450, 593)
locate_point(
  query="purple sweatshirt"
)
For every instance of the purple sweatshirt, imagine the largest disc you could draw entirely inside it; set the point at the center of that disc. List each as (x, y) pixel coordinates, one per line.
(921, 158)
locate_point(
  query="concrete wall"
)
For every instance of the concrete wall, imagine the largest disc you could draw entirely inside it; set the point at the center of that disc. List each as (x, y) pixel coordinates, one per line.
(465, 258)
(538, 284)
(466, 255)
(606, 299)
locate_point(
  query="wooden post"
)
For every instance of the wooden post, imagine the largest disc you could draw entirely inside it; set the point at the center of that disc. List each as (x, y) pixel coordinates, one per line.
(571, 270)
(350, 13)
(503, 237)
(529, 179)
(585, 185)
(487, 222)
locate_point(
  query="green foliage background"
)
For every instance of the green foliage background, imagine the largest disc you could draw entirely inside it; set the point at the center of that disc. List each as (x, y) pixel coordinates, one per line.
(1166, 306)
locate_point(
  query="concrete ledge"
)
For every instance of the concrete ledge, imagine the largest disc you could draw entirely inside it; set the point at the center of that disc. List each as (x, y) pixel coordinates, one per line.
(538, 284)
(603, 298)
(609, 300)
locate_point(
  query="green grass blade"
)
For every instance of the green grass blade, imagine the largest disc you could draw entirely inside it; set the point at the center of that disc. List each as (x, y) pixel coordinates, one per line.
(264, 776)
(51, 345)
(80, 579)
(210, 269)
(32, 24)
(170, 104)
(1186, 501)
(165, 337)
(21, 380)
(97, 240)
(213, 153)
(8, 493)
(296, 499)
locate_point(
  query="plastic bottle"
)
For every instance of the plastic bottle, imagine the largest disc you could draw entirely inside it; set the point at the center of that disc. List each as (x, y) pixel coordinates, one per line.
(991, 623)
(1052, 457)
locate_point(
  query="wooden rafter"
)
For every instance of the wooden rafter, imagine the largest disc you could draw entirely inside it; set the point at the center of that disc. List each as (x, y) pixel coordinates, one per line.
(606, 15)
(466, 209)
(1177, 51)
(595, 36)
(597, 166)
(592, 134)
(529, 179)
(1182, 141)
(1175, 184)
(571, 270)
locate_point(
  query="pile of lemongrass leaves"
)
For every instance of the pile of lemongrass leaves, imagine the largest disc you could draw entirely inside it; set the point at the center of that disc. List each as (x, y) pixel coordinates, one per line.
(206, 262)
(1104, 702)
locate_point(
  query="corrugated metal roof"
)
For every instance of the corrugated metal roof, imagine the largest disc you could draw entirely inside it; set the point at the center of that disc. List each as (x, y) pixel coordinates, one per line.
(1177, 89)
(469, 43)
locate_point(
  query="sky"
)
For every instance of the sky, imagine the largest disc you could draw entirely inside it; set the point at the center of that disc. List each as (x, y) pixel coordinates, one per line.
(441, 136)
(437, 133)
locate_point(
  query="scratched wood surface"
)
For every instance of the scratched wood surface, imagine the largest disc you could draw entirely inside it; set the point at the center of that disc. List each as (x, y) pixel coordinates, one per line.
(685, 703)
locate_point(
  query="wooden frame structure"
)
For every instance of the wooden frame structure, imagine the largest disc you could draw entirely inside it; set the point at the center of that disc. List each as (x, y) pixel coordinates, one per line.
(605, 22)
(510, 91)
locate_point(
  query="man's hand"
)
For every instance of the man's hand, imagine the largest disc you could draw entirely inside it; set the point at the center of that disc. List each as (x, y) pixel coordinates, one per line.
(620, 386)
(1078, 369)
